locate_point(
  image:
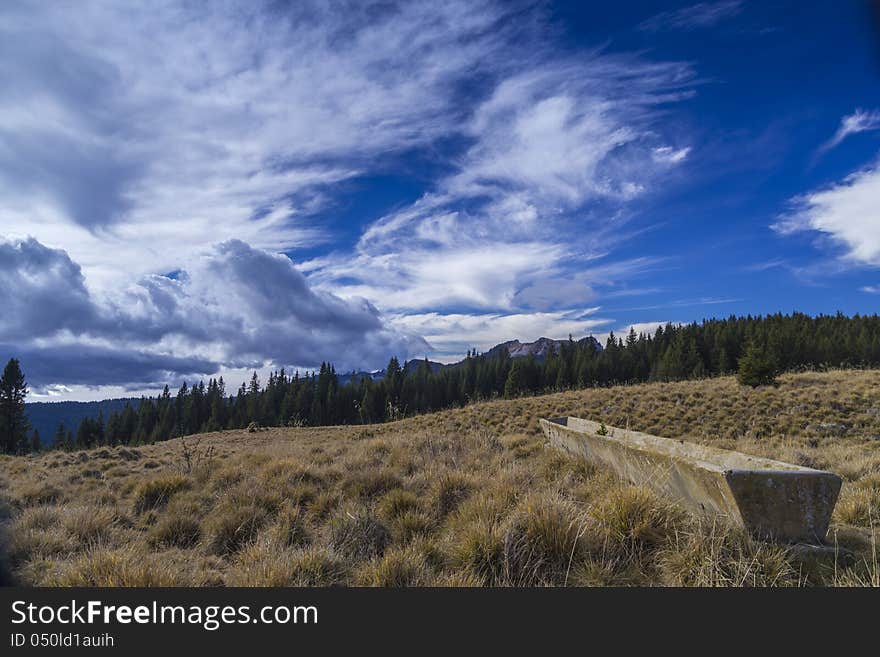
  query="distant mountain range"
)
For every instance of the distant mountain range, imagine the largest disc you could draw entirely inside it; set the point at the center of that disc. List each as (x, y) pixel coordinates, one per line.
(540, 349)
(46, 416)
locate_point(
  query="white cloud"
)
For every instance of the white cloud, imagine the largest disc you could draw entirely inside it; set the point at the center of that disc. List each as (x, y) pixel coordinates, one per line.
(848, 212)
(700, 15)
(452, 334)
(670, 154)
(233, 307)
(569, 132)
(851, 124)
(556, 150)
(134, 136)
(871, 289)
(137, 139)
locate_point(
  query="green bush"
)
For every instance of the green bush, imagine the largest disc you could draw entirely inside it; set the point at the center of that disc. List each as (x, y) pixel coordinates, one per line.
(756, 368)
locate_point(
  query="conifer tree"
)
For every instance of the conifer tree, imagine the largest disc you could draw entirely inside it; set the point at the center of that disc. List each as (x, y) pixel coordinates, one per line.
(14, 424)
(756, 368)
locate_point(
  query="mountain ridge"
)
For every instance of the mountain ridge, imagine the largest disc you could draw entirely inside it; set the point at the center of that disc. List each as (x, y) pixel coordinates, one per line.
(46, 416)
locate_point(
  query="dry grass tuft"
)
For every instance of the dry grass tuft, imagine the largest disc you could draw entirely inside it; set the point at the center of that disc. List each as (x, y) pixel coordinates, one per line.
(229, 528)
(264, 564)
(156, 493)
(543, 537)
(399, 567)
(117, 567)
(633, 519)
(177, 531)
(358, 535)
(718, 555)
(291, 528)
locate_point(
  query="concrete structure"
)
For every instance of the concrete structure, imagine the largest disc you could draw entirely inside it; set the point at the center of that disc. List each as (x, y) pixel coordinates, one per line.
(770, 499)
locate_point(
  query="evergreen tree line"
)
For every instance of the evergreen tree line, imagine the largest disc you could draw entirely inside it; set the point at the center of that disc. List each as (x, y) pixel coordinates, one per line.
(674, 352)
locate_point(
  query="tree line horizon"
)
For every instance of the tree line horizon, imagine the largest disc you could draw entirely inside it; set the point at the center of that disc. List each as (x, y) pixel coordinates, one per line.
(756, 348)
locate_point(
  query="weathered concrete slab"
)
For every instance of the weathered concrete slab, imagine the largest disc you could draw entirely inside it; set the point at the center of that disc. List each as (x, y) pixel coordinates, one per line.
(770, 499)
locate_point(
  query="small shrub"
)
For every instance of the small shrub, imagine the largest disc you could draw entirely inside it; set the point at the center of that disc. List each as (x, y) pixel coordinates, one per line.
(32, 543)
(322, 505)
(314, 567)
(117, 567)
(263, 564)
(89, 525)
(226, 477)
(861, 507)
(720, 555)
(410, 525)
(37, 517)
(290, 471)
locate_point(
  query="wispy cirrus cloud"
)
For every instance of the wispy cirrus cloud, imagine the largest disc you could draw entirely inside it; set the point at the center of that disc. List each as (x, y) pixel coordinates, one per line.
(851, 124)
(179, 125)
(533, 203)
(700, 15)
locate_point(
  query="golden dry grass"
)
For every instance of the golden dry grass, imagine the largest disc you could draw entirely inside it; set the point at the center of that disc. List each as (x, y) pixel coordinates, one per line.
(458, 498)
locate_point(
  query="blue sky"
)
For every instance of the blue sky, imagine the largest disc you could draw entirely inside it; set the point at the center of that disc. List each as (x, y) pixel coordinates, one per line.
(190, 190)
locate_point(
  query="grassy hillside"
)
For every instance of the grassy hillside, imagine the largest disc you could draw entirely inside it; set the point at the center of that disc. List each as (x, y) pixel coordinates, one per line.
(461, 497)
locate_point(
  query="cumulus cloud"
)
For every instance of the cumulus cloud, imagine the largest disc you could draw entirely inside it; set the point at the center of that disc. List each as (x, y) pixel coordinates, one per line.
(208, 139)
(851, 124)
(87, 365)
(236, 306)
(700, 15)
(847, 212)
(41, 289)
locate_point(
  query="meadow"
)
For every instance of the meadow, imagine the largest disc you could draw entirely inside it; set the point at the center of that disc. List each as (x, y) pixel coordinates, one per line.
(465, 497)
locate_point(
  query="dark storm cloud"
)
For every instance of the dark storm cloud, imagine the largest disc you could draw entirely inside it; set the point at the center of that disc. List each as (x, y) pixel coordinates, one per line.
(41, 291)
(236, 306)
(68, 159)
(76, 364)
(268, 310)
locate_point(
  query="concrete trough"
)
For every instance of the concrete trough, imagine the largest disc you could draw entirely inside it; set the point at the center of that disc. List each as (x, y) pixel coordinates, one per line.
(770, 499)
